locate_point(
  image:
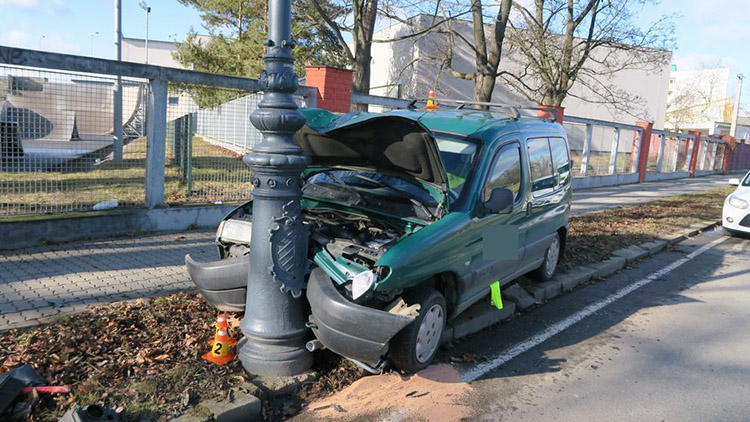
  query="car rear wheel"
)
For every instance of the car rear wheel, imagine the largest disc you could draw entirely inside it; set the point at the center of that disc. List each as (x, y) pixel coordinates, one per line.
(551, 257)
(415, 346)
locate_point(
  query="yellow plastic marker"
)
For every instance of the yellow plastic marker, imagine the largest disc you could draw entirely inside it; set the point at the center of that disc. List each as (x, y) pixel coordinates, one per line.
(495, 297)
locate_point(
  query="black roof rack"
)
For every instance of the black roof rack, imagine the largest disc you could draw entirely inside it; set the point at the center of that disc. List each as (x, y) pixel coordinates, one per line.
(513, 109)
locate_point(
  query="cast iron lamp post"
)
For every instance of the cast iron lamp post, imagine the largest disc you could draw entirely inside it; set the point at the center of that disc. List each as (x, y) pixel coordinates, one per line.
(275, 313)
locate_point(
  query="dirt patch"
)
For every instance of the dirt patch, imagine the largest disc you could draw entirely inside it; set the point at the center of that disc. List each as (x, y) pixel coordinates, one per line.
(593, 237)
(434, 394)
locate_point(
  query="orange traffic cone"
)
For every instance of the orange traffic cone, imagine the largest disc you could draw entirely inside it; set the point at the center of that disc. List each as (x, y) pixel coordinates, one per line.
(222, 324)
(431, 102)
(219, 353)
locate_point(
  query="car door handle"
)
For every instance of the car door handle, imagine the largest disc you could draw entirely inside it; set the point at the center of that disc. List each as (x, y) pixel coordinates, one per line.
(528, 209)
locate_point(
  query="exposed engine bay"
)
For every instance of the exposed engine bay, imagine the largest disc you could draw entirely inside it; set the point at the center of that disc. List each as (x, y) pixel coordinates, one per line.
(352, 237)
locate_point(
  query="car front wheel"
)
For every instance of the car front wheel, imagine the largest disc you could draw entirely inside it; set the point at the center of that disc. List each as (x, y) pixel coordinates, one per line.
(415, 346)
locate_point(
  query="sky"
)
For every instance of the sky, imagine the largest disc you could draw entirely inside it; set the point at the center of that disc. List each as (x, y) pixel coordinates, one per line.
(707, 33)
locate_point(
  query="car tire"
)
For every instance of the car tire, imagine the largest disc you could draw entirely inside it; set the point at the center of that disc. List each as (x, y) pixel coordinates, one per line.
(551, 258)
(415, 346)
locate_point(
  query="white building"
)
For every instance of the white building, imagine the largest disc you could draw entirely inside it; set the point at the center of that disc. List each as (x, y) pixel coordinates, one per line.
(408, 68)
(698, 100)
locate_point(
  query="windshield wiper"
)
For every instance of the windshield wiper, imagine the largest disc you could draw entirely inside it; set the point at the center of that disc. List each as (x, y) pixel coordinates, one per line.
(348, 188)
(404, 194)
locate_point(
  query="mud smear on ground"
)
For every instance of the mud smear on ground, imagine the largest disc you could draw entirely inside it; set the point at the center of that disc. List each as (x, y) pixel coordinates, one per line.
(434, 394)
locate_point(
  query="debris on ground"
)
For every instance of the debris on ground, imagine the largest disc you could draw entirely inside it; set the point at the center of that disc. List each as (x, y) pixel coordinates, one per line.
(143, 358)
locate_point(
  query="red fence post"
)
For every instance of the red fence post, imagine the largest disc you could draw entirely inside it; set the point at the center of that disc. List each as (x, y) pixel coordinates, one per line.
(334, 87)
(696, 148)
(549, 112)
(645, 146)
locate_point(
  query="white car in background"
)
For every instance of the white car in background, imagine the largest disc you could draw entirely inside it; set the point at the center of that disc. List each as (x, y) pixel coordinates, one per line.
(736, 215)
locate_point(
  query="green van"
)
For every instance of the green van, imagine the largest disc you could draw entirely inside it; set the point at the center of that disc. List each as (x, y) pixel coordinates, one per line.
(412, 214)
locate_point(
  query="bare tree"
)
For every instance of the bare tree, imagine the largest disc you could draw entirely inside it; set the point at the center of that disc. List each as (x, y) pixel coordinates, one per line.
(699, 97)
(486, 47)
(358, 19)
(584, 43)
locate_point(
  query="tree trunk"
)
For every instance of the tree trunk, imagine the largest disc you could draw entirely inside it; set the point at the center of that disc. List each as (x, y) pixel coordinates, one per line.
(484, 84)
(364, 28)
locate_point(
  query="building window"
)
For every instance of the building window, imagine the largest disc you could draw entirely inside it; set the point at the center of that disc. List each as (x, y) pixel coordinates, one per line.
(174, 100)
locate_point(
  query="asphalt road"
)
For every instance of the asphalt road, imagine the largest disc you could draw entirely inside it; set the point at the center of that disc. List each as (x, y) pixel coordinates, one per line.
(675, 349)
(597, 199)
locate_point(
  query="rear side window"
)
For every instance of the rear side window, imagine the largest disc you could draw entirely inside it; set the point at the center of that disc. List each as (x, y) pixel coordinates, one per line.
(540, 164)
(506, 172)
(560, 160)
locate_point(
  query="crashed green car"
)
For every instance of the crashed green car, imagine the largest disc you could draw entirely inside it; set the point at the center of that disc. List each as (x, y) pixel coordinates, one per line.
(412, 215)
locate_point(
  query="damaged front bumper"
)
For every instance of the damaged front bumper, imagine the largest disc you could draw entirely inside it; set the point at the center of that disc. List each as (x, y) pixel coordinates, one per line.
(222, 283)
(351, 330)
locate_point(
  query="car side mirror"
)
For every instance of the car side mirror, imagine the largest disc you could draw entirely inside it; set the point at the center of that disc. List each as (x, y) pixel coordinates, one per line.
(500, 202)
(734, 182)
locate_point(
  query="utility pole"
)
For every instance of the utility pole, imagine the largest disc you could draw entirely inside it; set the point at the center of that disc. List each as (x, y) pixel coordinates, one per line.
(91, 45)
(117, 120)
(275, 313)
(736, 111)
(145, 7)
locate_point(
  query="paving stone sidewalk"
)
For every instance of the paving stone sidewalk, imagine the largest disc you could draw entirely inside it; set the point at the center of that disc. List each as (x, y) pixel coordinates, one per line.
(44, 282)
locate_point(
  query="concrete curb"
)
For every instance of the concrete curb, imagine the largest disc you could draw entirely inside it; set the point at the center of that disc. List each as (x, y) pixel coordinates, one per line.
(524, 293)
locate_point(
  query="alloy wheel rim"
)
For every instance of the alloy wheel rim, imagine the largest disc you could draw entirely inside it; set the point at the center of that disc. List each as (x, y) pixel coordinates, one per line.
(553, 254)
(428, 336)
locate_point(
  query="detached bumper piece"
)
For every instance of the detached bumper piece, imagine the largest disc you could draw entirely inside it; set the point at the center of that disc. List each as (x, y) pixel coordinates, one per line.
(351, 330)
(223, 283)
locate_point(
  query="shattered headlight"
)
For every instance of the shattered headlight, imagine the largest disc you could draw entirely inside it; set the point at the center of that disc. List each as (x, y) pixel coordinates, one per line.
(362, 282)
(737, 202)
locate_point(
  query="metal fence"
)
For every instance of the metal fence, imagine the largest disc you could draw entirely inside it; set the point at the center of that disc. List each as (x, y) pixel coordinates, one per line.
(185, 134)
(599, 147)
(59, 126)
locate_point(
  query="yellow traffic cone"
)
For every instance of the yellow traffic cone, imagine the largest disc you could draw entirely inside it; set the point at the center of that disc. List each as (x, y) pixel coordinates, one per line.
(431, 102)
(219, 353)
(221, 323)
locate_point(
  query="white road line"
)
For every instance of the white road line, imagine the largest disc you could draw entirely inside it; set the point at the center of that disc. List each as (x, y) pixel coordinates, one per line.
(485, 367)
(740, 246)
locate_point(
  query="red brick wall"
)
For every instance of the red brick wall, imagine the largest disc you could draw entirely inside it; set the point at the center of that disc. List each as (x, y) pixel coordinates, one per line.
(334, 87)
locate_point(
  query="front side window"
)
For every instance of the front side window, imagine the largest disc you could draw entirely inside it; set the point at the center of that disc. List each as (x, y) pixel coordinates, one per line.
(560, 160)
(505, 172)
(540, 164)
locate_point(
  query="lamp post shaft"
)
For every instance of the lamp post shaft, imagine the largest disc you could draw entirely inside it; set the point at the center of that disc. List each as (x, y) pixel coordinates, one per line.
(147, 13)
(275, 314)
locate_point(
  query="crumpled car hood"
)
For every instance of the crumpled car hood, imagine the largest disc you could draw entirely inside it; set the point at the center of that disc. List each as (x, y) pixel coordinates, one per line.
(388, 144)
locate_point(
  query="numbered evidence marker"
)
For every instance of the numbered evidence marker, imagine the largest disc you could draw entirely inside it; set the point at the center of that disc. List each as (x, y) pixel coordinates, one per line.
(219, 353)
(223, 324)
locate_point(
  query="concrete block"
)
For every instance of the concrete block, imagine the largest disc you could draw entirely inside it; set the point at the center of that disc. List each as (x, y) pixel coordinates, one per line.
(574, 277)
(533, 290)
(654, 247)
(552, 288)
(631, 253)
(244, 408)
(480, 316)
(276, 386)
(516, 294)
(608, 266)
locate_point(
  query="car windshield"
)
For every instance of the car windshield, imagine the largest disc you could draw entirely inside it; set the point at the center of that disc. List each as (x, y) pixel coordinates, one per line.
(458, 157)
(373, 182)
(746, 182)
